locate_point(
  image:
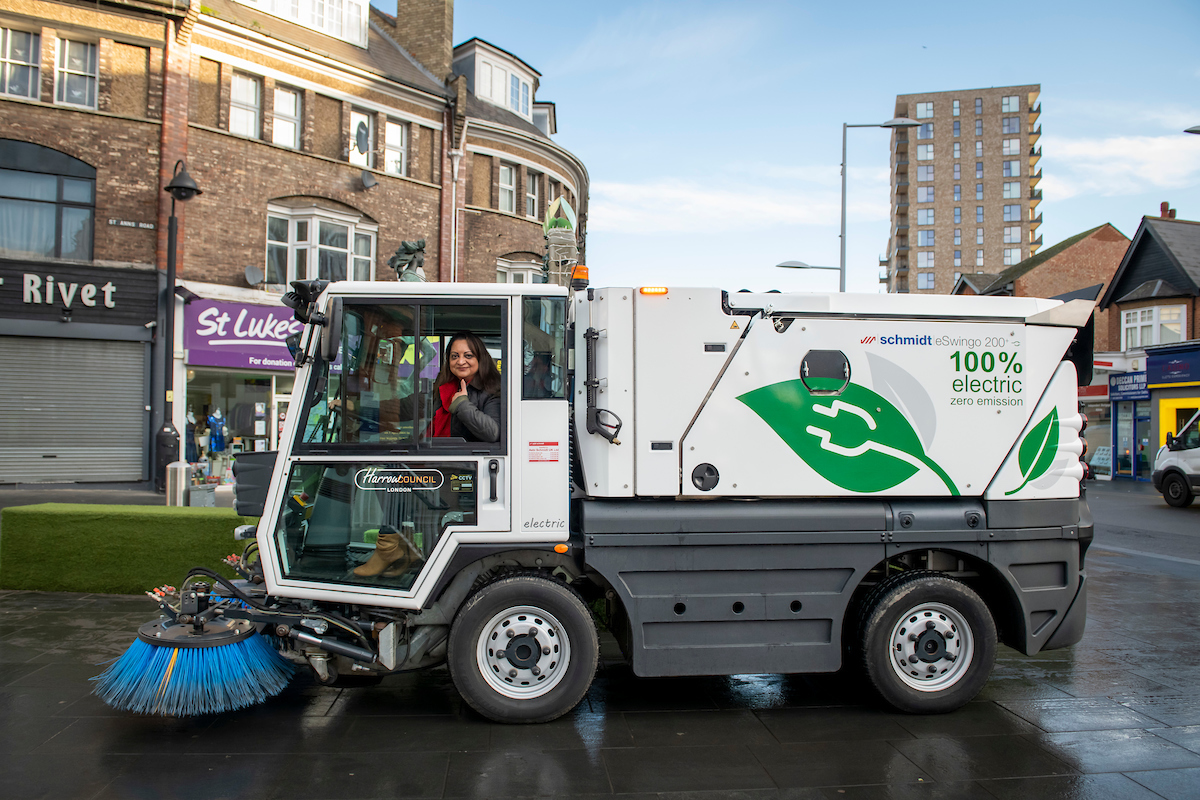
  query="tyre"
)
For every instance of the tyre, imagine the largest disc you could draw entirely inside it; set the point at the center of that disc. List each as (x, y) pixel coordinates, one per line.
(523, 649)
(928, 642)
(1176, 492)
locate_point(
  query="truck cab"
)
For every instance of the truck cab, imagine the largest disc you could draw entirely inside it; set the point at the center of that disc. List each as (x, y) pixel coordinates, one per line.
(1177, 465)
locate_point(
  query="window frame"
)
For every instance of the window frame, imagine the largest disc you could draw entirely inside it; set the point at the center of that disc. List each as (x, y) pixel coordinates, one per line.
(1011, 168)
(7, 63)
(924, 110)
(297, 119)
(1155, 324)
(353, 156)
(506, 190)
(924, 172)
(1010, 104)
(312, 215)
(929, 278)
(60, 204)
(1012, 212)
(253, 109)
(61, 72)
(392, 151)
(532, 194)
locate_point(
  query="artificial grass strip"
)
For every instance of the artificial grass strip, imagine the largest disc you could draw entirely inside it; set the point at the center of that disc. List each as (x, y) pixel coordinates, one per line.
(63, 547)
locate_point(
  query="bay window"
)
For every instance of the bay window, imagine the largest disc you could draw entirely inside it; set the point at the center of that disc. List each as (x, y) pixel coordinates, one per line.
(308, 240)
(1153, 325)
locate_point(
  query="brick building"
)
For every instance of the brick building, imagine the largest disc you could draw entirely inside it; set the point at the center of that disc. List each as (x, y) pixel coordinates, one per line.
(964, 187)
(321, 135)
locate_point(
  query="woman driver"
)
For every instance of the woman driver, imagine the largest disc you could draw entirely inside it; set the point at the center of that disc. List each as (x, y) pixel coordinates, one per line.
(468, 390)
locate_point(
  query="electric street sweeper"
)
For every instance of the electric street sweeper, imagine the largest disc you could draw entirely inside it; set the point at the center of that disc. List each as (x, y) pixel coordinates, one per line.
(730, 482)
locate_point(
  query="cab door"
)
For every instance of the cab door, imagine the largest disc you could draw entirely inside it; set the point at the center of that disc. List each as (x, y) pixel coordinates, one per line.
(381, 480)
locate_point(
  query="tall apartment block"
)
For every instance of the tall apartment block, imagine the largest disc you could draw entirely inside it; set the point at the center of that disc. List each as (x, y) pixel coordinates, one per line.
(964, 186)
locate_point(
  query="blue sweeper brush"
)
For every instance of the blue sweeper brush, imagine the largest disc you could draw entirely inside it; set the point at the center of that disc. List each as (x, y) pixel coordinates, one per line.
(195, 663)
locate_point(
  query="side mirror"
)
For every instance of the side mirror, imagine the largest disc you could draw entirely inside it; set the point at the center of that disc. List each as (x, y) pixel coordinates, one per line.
(331, 337)
(1172, 442)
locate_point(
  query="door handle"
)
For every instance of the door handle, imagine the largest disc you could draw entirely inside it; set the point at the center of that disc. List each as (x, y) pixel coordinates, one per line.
(494, 472)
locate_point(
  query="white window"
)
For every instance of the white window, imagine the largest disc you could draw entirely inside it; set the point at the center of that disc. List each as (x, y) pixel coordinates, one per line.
(957, 171)
(979, 236)
(925, 259)
(362, 137)
(20, 53)
(525, 98)
(924, 152)
(285, 125)
(1154, 325)
(924, 194)
(924, 216)
(924, 238)
(978, 105)
(925, 173)
(957, 262)
(1010, 124)
(243, 105)
(514, 91)
(979, 149)
(979, 127)
(1012, 190)
(531, 194)
(925, 131)
(1012, 147)
(924, 110)
(508, 188)
(957, 215)
(1012, 255)
(1011, 169)
(1012, 213)
(1012, 234)
(343, 19)
(308, 242)
(979, 258)
(1010, 105)
(979, 213)
(958, 150)
(957, 191)
(958, 235)
(956, 108)
(518, 271)
(395, 148)
(979, 191)
(924, 280)
(76, 74)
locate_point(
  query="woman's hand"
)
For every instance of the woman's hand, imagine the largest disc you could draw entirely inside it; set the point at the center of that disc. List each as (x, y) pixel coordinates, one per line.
(462, 391)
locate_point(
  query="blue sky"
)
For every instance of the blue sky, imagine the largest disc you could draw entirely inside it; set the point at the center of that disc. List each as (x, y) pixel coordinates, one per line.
(712, 130)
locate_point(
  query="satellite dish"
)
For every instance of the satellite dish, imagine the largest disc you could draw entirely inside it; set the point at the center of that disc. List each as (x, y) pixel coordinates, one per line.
(362, 138)
(368, 180)
(254, 274)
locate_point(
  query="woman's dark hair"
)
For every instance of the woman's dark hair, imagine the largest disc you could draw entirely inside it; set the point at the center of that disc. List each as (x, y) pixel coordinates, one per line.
(487, 378)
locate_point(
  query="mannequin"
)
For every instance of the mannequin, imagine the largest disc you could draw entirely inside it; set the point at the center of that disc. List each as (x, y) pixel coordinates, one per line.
(191, 452)
(216, 432)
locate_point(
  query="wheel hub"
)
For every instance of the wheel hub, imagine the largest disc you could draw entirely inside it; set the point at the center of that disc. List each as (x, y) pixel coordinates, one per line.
(931, 647)
(523, 652)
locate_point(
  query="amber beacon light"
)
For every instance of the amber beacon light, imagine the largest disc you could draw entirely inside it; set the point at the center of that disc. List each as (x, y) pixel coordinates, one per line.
(653, 290)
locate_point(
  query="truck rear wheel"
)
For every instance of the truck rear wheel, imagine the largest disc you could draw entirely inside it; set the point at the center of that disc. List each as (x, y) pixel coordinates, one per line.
(928, 642)
(523, 649)
(1176, 492)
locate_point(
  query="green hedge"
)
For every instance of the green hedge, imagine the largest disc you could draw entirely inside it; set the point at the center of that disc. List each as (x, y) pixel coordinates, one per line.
(60, 547)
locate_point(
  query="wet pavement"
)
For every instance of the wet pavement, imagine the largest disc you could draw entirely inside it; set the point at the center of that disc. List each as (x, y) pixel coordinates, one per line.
(1116, 716)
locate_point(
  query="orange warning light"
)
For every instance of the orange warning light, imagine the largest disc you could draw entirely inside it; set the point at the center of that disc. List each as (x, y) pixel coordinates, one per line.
(653, 290)
(560, 548)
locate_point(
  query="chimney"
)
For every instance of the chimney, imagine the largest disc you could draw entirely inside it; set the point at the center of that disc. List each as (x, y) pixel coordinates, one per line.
(425, 28)
(1165, 211)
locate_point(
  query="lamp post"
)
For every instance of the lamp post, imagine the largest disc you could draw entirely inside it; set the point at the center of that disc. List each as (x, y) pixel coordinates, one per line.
(166, 442)
(802, 265)
(898, 122)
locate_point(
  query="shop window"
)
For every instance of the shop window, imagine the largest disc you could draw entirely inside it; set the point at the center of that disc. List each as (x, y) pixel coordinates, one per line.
(20, 53)
(395, 371)
(1154, 325)
(75, 75)
(47, 203)
(315, 241)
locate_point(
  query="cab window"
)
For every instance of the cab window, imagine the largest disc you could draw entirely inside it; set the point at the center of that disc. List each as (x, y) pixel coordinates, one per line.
(384, 388)
(544, 348)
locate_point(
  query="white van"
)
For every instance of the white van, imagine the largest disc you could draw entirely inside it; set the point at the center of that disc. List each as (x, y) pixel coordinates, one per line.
(1177, 465)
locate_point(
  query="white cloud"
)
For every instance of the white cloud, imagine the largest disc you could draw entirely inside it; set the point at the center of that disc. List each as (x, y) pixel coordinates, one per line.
(1121, 165)
(677, 206)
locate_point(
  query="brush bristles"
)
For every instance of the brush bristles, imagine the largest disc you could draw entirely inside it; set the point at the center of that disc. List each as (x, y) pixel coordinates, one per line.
(185, 682)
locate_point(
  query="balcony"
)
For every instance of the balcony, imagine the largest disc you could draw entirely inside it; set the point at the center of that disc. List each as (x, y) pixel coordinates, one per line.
(1035, 195)
(901, 268)
(901, 248)
(1035, 242)
(1034, 154)
(1034, 113)
(1035, 221)
(1034, 178)
(902, 204)
(1035, 134)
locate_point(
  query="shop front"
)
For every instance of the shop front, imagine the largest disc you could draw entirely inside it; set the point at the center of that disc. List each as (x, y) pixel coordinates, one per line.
(1173, 377)
(1132, 454)
(239, 380)
(75, 360)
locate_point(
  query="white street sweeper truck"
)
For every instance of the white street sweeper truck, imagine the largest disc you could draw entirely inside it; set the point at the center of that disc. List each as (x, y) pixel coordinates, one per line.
(730, 483)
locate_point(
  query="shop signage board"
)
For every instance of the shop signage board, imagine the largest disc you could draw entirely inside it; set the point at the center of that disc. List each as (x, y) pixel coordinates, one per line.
(1182, 366)
(1128, 386)
(239, 335)
(78, 292)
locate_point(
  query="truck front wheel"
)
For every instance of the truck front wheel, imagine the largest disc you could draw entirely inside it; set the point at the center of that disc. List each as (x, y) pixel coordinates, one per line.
(928, 642)
(523, 649)
(1175, 491)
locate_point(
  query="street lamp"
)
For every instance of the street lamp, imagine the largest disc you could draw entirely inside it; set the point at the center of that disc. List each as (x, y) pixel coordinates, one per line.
(898, 122)
(1193, 129)
(802, 265)
(181, 188)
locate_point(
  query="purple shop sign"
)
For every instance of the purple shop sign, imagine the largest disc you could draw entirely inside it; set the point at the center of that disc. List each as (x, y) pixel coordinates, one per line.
(240, 335)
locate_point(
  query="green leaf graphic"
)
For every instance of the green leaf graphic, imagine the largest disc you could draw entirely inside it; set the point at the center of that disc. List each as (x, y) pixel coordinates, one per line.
(856, 440)
(1037, 449)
